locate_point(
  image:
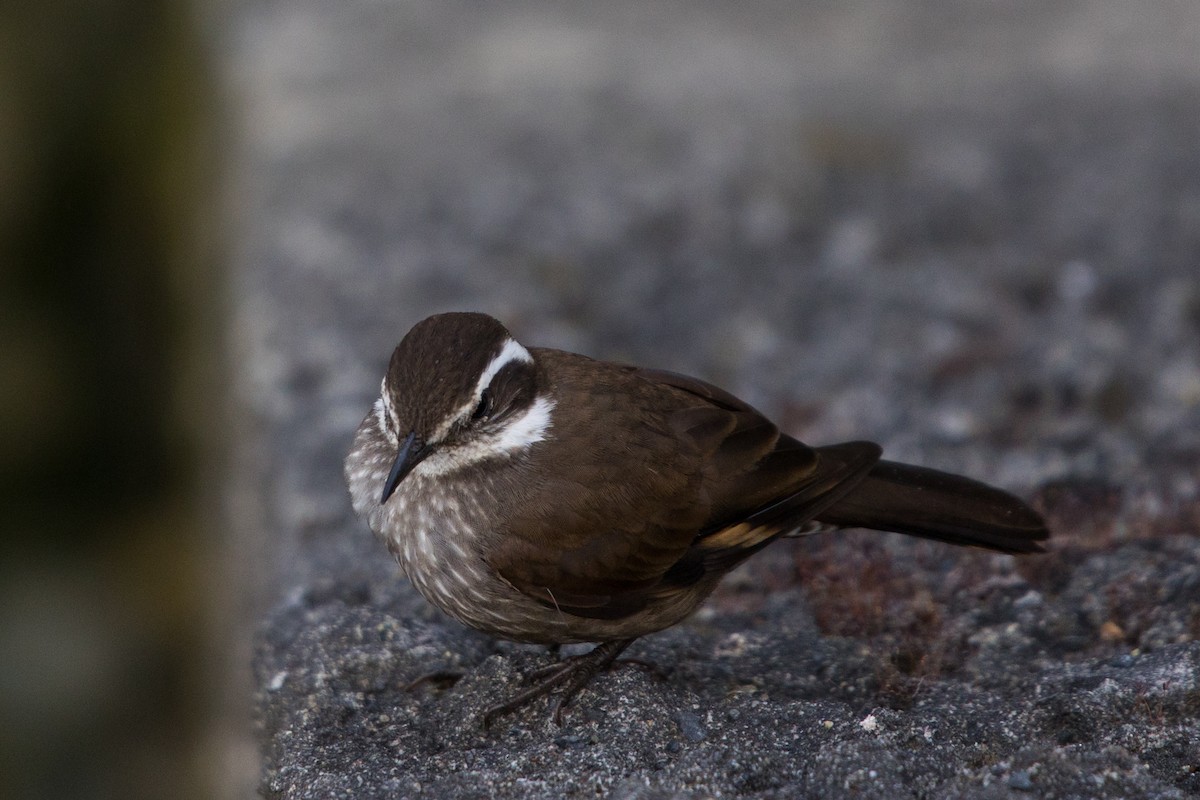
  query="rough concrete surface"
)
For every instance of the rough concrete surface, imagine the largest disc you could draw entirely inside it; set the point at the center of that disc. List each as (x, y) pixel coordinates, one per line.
(970, 232)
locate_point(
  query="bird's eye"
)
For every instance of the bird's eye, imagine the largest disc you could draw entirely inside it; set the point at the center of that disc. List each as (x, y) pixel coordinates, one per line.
(484, 409)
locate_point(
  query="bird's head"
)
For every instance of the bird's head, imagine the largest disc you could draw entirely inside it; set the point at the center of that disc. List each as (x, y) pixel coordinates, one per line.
(459, 390)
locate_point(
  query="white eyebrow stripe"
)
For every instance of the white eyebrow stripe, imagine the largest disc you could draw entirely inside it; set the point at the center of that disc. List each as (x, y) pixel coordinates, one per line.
(512, 351)
(381, 417)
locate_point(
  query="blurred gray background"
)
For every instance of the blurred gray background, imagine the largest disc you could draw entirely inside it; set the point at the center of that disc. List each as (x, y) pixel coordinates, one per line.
(970, 231)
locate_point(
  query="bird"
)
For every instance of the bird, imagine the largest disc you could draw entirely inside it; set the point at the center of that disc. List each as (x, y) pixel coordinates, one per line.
(546, 497)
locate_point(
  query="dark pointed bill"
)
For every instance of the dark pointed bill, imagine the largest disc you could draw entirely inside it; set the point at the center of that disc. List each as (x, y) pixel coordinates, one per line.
(412, 452)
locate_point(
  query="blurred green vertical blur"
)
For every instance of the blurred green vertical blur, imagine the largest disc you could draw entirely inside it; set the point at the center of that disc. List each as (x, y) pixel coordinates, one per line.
(109, 323)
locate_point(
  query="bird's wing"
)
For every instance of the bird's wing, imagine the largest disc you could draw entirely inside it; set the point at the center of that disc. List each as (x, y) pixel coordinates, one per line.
(761, 492)
(665, 479)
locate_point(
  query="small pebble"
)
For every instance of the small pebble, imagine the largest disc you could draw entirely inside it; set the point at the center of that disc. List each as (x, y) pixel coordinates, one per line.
(1111, 632)
(1029, 599)
(690, 727)
(570, 740)
(1021, 781)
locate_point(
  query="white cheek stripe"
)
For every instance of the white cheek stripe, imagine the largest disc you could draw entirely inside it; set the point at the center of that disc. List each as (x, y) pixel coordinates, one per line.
(526, 429)
(522, 432)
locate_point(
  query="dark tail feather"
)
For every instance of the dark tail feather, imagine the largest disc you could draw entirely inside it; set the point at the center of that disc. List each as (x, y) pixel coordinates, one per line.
(937, 505)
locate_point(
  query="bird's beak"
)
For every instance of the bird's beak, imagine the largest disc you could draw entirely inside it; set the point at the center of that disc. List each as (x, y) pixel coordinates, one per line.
(412, 452)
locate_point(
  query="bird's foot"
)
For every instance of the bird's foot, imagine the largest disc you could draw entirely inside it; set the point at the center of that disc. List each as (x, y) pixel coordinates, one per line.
(571, 674)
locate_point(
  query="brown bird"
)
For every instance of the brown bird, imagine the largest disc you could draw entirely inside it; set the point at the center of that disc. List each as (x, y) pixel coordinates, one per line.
(542, 496)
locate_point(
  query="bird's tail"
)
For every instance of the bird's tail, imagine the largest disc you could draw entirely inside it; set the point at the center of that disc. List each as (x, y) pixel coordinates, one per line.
(940, 506)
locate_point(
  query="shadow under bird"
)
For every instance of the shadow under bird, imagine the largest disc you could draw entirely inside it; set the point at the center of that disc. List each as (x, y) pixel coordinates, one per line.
(542, 496)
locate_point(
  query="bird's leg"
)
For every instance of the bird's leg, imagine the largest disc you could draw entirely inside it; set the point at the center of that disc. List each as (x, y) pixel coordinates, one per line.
(572, 674)
(587, 670)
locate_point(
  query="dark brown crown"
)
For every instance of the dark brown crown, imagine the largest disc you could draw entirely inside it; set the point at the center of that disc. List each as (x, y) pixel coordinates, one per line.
(437, 367)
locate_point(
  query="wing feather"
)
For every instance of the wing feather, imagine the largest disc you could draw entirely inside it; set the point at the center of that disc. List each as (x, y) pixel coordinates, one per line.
(704, 481)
